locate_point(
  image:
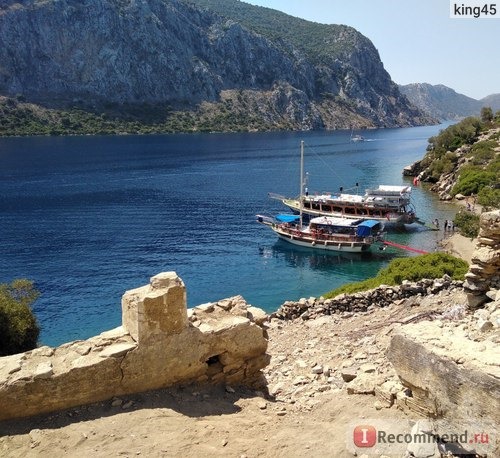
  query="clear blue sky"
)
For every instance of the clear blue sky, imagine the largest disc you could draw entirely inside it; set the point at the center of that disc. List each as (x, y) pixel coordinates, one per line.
(417, 40)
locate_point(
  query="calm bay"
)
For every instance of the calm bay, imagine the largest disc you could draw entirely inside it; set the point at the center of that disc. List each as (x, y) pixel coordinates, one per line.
(88, 218)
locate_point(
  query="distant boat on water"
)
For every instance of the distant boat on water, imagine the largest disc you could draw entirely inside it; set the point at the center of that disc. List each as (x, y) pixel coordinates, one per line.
(357, 138)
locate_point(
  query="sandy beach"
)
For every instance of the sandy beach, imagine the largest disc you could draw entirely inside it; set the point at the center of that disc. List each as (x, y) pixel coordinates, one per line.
(458, 245)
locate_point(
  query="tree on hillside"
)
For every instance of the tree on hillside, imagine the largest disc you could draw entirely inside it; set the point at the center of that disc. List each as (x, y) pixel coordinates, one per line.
(486, 114)
(19, 329)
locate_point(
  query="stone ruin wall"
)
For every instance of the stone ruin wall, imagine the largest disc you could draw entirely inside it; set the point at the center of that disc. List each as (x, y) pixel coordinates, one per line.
(160, 343)
(484, 272)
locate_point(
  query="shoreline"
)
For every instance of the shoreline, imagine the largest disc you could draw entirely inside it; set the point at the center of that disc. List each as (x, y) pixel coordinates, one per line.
(457, 244)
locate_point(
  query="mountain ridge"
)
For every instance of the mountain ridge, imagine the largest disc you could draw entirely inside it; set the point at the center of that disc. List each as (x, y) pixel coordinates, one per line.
(195, 68)
(445, 103)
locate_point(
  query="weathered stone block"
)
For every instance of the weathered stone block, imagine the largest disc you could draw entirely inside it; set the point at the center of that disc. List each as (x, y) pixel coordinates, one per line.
(155, 310)
(453, 379)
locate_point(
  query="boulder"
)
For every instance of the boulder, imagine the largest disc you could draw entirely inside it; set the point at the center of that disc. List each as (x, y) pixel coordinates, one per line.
(451, 378)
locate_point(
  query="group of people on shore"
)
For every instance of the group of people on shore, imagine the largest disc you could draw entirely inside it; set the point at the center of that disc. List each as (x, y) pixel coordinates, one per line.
(448, 225)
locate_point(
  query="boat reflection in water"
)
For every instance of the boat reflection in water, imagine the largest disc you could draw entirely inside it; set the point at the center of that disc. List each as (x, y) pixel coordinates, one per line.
(328, 261)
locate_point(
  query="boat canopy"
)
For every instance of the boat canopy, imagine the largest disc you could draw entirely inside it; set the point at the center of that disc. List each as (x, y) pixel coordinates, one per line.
(386, 190)
(284, 218)
(333, 221)
(364, 229)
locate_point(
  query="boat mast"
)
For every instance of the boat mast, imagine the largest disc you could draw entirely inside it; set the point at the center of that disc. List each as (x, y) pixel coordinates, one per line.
(301, 180)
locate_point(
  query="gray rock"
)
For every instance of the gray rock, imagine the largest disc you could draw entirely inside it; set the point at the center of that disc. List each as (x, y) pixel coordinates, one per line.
(178, 54)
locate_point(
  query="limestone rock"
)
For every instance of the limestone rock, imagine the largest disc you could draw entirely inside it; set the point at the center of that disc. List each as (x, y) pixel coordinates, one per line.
(450, 392)
(423, 448)
(87, 54)
(364, 383)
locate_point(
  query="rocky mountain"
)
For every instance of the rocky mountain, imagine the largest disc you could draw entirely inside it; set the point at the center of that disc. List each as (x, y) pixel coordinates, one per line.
(222, 59)
(443, 102)
(492, 101)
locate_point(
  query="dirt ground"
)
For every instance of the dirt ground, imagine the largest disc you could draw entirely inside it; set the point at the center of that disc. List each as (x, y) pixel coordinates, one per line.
(304, 409)
(178, 423)
(459, 246)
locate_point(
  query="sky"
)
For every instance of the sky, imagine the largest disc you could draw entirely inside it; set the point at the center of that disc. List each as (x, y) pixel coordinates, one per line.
(417, 40)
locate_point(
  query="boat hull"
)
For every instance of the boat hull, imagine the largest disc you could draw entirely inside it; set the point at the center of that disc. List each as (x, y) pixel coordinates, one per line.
(324, 245)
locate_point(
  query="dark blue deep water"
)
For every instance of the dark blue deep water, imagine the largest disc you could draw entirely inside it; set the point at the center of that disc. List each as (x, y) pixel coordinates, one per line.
(87, 218)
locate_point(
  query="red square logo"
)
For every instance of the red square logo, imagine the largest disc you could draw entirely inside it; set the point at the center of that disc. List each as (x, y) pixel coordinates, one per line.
(364, 436)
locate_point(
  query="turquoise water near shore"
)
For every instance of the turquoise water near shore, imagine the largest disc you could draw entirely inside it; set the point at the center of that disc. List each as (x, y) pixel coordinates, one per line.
(88, 218)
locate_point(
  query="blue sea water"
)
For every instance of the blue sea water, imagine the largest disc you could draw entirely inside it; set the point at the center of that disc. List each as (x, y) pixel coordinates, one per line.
(88, 218)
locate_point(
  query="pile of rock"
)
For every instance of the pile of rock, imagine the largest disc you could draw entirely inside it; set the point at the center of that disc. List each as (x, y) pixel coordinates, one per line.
(346, 351)
(321, 359)
(484, 273)
(361, 302)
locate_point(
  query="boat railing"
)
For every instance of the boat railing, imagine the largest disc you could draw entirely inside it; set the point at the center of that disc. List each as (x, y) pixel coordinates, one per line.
(315, 235)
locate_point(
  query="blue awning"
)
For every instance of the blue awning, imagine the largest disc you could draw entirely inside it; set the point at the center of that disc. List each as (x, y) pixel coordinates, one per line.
(284, 218)
(369, 223)
(364, 229)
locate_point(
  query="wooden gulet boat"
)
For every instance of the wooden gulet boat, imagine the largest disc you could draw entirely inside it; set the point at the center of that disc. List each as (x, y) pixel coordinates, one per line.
(388, 204)
(326, 233)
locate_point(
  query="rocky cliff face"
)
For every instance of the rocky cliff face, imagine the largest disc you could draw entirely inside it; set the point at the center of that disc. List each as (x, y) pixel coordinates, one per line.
(65, 53)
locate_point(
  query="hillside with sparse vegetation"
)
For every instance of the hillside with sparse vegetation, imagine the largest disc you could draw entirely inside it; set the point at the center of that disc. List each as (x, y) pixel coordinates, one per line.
(162, 66)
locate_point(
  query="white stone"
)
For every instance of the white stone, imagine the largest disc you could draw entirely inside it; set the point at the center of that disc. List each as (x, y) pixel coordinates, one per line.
(44, 370)
(117, 350)
(423, 448)
(11, 364)
(165, 280)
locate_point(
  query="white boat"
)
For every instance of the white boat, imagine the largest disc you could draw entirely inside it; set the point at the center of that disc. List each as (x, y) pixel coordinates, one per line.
(388, 204)
(325, 232)
(357, 137)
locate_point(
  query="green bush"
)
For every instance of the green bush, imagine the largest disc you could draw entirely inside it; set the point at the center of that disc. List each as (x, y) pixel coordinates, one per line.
(489, 197)
(18, 326)
(454, 136)
(472, 179)
(431, 265)
(467, 223)
(483, 152)
(486, 114)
